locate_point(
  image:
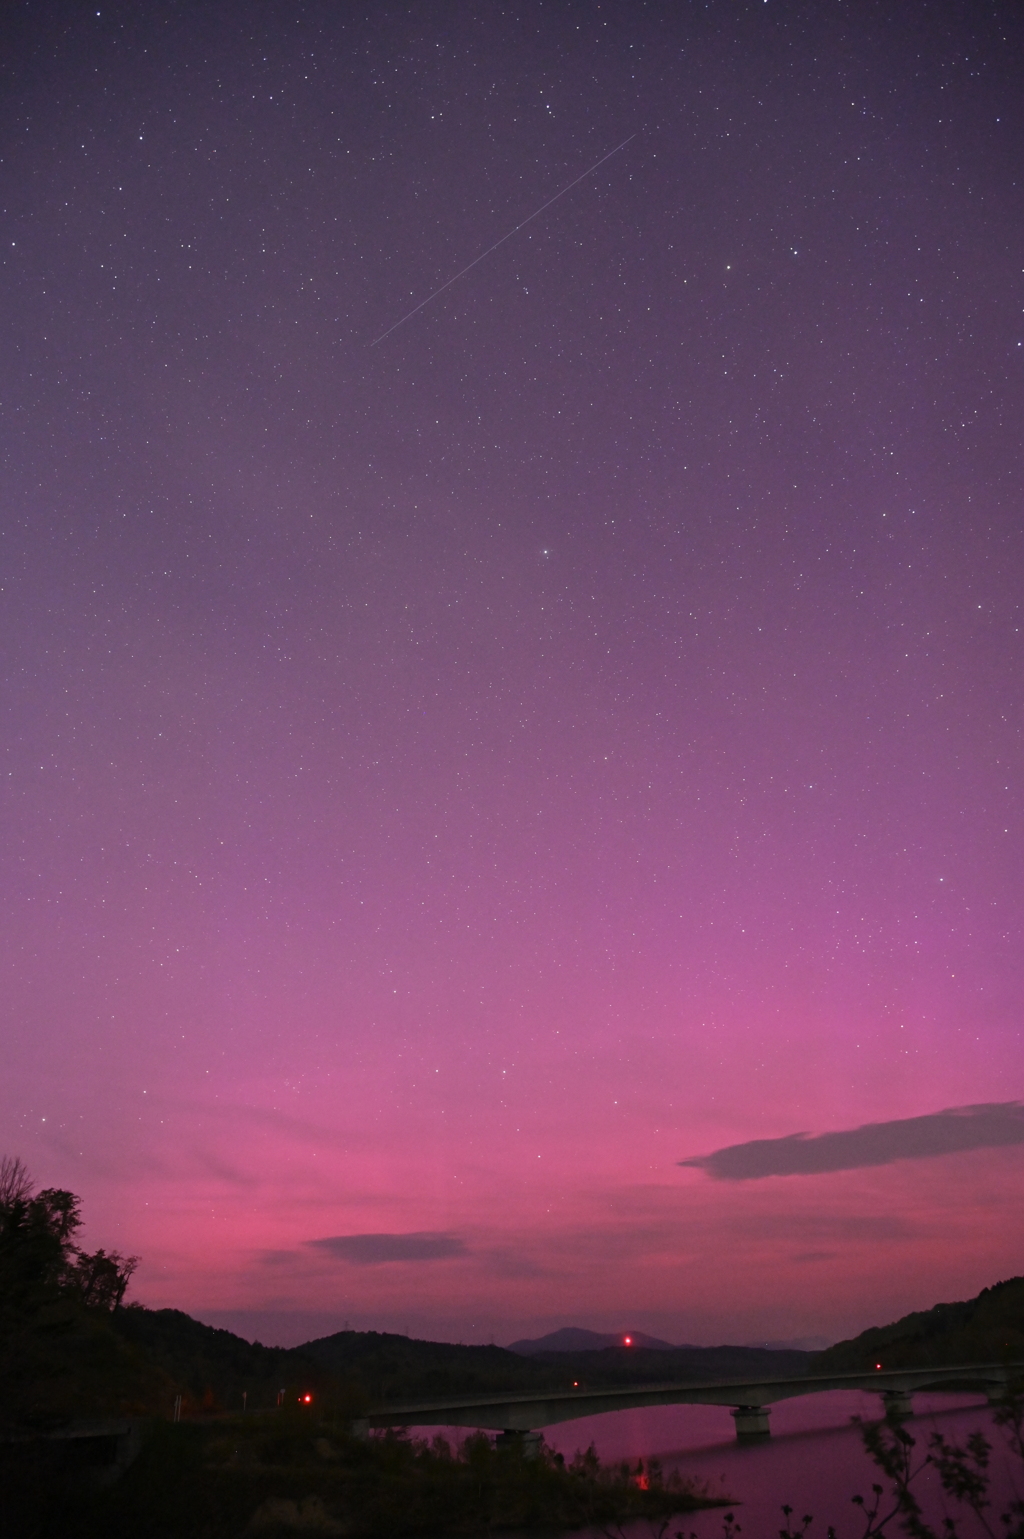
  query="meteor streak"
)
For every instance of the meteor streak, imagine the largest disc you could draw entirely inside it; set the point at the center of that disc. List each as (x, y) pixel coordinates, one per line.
(501, 242)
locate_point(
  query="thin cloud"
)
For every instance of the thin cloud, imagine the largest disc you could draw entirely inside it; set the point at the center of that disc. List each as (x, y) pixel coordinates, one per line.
(372, 1249)
(513, 1263)
(959, 1128)
(822, 1228)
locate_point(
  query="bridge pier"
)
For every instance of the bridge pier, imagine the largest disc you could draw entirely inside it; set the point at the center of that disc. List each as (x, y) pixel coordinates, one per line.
(898, 1403)
(751, 1423)
(527, 1444)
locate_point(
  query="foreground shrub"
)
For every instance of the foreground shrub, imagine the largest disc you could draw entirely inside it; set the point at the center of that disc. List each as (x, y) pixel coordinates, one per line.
(285, 1473)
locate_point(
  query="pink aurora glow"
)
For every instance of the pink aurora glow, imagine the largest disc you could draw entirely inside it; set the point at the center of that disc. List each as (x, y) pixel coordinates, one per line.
(447, 785)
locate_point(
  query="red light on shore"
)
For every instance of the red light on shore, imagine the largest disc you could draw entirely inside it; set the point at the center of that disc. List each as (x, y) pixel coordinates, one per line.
(305, 1399)
(627, 1341)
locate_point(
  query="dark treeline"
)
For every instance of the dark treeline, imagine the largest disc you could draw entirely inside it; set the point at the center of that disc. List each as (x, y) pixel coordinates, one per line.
(610, 1367)
(986, 1329)
(213, 1367)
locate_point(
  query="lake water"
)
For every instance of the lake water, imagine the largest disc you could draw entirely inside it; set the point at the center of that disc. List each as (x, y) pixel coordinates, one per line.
(814, 1460)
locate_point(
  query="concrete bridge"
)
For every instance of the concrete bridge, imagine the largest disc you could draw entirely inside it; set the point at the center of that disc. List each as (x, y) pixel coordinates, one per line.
(517, 1417)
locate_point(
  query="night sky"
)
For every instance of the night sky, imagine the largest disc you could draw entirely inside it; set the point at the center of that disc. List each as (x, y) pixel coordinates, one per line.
(449, 781)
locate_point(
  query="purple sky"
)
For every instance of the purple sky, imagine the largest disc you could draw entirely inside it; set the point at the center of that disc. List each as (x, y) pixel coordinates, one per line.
(447, 783)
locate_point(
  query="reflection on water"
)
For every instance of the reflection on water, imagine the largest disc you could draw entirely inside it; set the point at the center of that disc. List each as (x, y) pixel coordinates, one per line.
(814, 1460)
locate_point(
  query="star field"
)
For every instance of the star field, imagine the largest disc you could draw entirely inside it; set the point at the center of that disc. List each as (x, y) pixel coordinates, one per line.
(448, 782)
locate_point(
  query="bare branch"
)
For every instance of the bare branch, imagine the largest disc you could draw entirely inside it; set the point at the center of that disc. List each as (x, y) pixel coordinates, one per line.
(15, 1182)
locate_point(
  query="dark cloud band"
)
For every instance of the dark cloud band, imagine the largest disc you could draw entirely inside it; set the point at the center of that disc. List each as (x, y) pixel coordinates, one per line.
(371, 1249)
(952, 1131)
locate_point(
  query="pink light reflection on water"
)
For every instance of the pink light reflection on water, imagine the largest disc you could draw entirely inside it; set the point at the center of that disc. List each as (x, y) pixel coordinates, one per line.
(814, 1460)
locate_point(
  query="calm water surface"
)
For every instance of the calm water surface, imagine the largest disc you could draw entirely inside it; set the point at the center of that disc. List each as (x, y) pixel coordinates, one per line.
(814, 1460)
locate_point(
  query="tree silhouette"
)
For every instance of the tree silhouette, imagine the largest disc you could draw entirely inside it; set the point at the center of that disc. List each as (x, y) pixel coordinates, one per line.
(39, 1260)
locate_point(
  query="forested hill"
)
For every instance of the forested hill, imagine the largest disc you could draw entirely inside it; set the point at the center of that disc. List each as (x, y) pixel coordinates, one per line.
(618, 1365)
(214, 1367)
(395, 1367)
(986, 1329)
(392, 1368)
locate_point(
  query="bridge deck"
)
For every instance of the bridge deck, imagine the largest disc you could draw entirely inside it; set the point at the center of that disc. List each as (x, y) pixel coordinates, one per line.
(525, 1412)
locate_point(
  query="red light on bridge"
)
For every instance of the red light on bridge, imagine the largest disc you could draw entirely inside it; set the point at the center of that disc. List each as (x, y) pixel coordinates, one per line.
(878, 1365)
(305, 1399)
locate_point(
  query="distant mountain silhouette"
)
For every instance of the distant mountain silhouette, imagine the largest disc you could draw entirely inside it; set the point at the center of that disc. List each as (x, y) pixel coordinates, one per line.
(213, 1366)
(403, 1368)
(607, 1367)
(795, 1344)
(985, 1329)
(571, 1338)
(169, 1353)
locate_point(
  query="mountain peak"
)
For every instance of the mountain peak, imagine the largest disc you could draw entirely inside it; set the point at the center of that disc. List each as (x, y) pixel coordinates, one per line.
(572, 1338)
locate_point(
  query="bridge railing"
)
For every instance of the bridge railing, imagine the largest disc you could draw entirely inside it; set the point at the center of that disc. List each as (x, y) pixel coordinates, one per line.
(749, 1401)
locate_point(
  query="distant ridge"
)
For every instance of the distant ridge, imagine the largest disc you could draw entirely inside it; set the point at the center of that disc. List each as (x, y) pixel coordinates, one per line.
(794, 1344)
(986, 1329)
(213, 1367)
(572, 1338)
